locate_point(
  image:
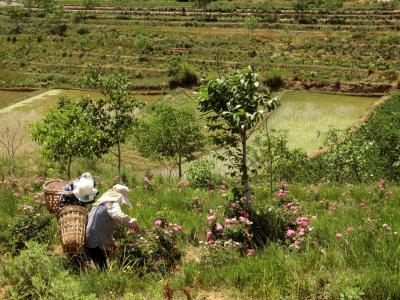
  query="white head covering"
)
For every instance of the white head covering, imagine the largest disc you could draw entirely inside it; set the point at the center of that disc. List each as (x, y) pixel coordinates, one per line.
(84, 189)
(123, 190)
(118, 193)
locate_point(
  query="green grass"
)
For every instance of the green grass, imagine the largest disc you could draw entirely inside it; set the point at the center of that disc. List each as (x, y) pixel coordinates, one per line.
(304, 115)
(361, 264)
(8, 98)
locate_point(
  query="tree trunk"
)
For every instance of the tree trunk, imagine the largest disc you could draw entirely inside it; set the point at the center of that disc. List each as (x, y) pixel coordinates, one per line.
(12, 166)
(119, 161)
(69, 167)
(245, 175)
(180, 167)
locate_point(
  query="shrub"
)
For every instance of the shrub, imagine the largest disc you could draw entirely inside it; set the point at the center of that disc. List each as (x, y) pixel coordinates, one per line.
(180, 73)
(78, 17)
(83, 31)
(273, 79)
(200, 175)
(153, 250)
(30, 223)
(38, 274)
(144, 43)
(59, 29)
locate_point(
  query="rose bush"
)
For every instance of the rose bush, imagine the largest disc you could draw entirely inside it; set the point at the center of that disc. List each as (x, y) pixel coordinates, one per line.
(152, 250)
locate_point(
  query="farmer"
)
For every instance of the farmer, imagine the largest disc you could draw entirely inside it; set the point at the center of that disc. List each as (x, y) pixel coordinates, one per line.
(79, 192)
(106, 212)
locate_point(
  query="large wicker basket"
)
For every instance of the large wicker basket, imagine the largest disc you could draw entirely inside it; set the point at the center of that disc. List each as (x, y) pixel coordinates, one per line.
(53, 189)
(72, 221)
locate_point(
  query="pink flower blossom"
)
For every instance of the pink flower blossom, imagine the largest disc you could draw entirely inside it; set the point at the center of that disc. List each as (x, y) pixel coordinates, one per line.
(176, 228)
(158, 222)
(211, 218)
(301, 231)
(290, 233)
(234, 205)
(248, 235)
(302, 221)
(219, 228)
(245, 214)
(250, 252)
(349, 229)
(281, 193)
(209, 235)
(338, 235)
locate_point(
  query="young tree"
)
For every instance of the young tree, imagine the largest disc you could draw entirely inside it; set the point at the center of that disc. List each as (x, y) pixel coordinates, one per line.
(203, 3)
(11, 139)
(90, 4)
(171, 134)
(251, 23)
(269, 155)
(235, 106)
(115, 113)
(68, 132)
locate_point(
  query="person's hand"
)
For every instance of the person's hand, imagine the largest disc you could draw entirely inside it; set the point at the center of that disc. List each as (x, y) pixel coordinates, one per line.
(134, 226)
(112, 247)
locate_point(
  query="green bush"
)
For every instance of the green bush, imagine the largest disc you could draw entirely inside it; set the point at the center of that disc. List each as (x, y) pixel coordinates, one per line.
(180, 73)
(30, 223)
(59, 29)
(82, 31)
(38, 274)
(200, 175)
(144, 43)
(273, 79)
(153, 250)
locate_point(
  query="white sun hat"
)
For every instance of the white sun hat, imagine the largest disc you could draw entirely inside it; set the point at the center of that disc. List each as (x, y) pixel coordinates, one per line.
(123, 190)
(84, 189)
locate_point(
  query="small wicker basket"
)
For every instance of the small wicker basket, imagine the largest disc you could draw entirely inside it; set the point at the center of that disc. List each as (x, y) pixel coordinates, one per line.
(72, 221)
(53, 189)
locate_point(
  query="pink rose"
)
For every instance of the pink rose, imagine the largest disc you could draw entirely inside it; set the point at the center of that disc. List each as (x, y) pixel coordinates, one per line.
(211, 218)
(219, 228)
(176, 228)
(158, 222)
(290, 233)
(209, 235)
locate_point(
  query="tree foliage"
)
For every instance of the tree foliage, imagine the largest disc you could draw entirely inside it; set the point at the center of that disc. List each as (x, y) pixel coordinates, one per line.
(270, 156)
(68, 131)
(116, 112)
(170, 134)
(234, 106)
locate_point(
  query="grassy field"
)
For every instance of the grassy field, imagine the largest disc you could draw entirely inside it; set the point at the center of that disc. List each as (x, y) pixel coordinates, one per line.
(362, 49)
(349, 253)
(305, 116)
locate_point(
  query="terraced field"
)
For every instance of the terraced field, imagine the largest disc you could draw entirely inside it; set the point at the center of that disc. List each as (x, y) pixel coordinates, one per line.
(335, 49)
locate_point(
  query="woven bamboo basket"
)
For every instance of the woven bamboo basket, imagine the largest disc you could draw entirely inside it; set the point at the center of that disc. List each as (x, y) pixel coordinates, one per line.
(72, 221)
(53, 189)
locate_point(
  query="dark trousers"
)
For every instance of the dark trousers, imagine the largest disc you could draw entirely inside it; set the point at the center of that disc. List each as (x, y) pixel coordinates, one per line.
(99, 257)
